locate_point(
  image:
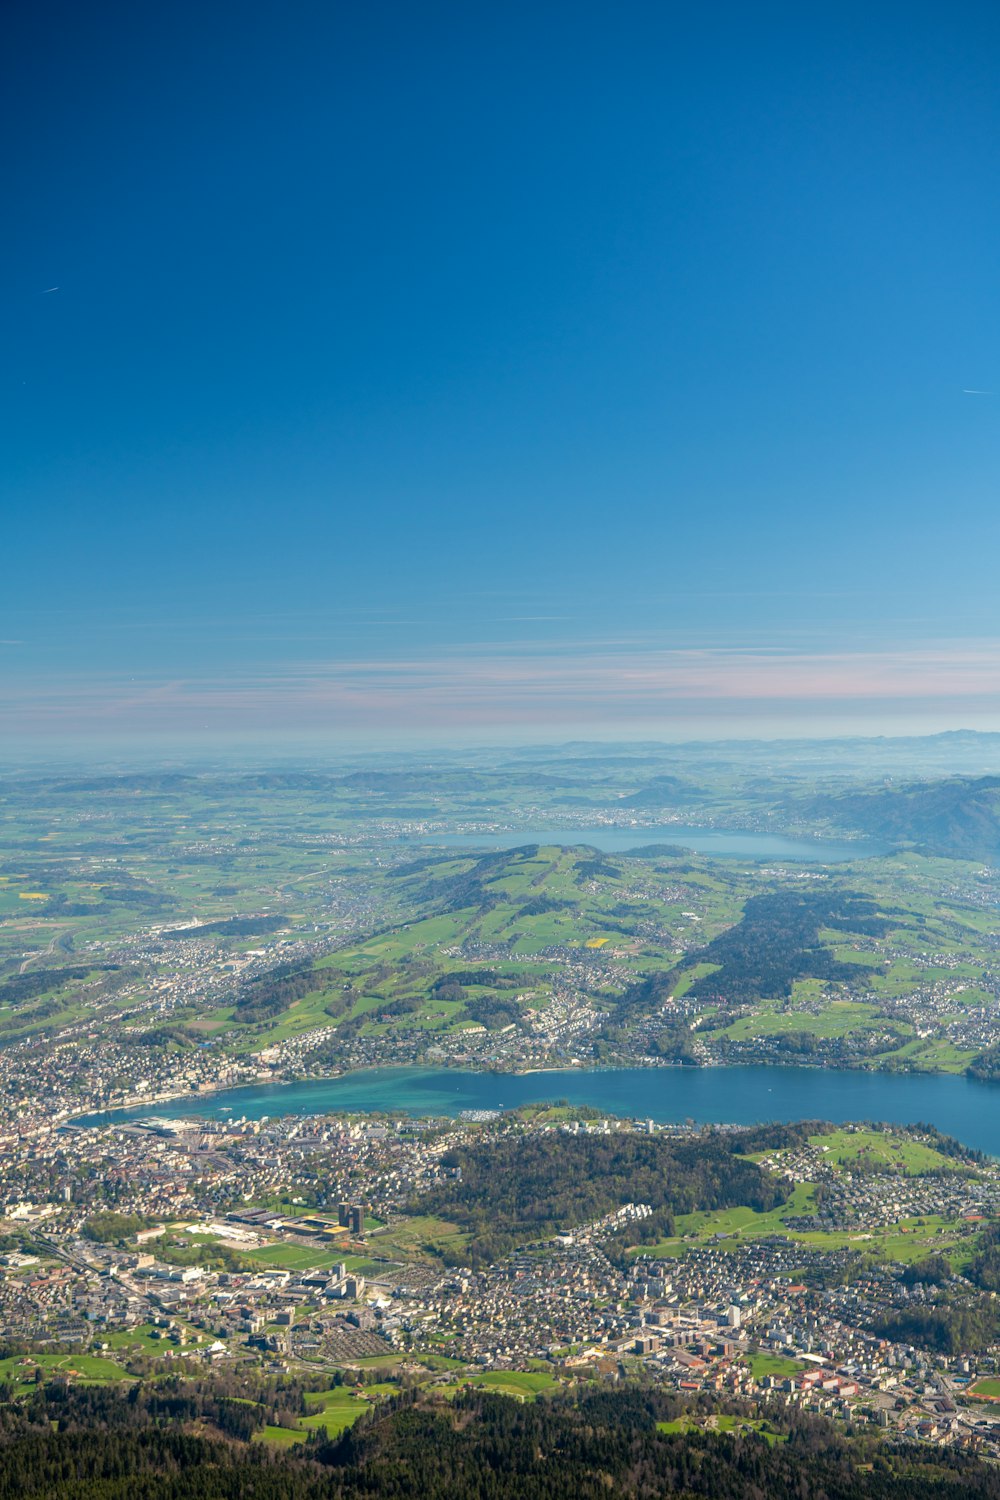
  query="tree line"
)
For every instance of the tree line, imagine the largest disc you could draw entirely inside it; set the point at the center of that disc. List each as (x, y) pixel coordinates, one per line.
(589, 1444)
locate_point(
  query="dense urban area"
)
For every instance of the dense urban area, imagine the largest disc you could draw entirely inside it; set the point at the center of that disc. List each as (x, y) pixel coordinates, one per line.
(383, 1249)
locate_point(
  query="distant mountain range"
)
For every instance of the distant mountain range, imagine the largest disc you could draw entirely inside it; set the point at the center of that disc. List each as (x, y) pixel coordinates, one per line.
(958, 817)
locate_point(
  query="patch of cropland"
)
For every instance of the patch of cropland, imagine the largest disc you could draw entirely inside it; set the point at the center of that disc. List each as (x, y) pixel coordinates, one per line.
(530, 1187)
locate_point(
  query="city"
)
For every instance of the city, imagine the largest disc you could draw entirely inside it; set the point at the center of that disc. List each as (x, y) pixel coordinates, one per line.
(291, 1246)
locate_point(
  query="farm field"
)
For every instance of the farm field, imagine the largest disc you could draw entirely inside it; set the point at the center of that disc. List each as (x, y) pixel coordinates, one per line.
(19, 1368)
(408, 1240)
(257, 912)
(873, 1148)
(524, 1384)
(904, 1241)
(722, 1422)
(329, 1411)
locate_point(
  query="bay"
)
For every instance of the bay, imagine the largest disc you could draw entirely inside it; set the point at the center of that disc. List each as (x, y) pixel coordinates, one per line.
(959, 1106)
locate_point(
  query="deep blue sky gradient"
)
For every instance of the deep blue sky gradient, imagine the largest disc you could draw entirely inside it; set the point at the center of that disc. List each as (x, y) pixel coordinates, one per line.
(395, 332)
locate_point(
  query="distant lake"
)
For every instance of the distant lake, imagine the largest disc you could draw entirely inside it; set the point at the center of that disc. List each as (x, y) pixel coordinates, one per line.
(726, 843)
(740, 1096)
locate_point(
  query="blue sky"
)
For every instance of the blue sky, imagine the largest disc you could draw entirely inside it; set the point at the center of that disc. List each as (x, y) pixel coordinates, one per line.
(456, 369)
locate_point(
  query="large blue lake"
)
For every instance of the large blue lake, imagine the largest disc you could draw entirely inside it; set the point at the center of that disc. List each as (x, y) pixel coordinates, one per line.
(726, 843)
(742, 1095)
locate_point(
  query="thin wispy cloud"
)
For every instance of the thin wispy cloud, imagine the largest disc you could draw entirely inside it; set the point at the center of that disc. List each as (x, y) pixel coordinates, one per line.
(528, 689)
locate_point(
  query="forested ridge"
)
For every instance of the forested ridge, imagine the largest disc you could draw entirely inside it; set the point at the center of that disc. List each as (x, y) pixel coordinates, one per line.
(18, 988)
(777, 942)
(581, 1445)
(267, 995)
(230, 927)
(528, 1187)
(958, 816)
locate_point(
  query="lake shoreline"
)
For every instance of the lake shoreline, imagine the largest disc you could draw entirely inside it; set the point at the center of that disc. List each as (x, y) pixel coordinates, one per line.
(579, 1070)
(735, 1094)
(705, 840)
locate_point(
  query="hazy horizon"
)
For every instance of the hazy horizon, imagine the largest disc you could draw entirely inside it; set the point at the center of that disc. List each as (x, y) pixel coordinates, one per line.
(457, 375)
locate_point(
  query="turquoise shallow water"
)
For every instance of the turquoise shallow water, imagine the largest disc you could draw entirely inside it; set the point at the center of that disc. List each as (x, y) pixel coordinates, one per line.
(742, 1095)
